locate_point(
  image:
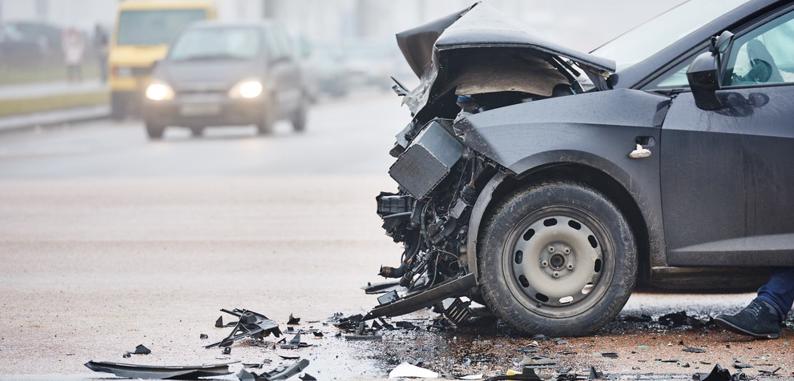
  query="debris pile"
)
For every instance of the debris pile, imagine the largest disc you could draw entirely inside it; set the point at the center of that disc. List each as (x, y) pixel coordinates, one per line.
(249, 325)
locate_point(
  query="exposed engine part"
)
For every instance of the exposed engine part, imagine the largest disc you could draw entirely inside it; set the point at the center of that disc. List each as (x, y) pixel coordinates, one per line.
(428, 161)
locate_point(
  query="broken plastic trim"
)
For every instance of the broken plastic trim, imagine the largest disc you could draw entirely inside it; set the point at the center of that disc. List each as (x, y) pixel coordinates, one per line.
(250, 324)
(426, 298)
(160, 372)
(275, 374)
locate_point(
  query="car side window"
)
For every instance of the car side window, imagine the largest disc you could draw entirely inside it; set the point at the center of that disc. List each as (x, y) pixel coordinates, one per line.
(764, 55)
(274, 48)
(674, 78)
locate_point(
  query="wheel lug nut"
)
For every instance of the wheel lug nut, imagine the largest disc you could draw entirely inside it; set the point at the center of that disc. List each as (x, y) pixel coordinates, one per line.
(567, 250)
(570, 266)
(551, 249)
(544, 263)
(556, 274)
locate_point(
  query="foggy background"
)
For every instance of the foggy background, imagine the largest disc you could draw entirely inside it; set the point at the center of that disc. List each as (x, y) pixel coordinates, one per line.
(338, 20)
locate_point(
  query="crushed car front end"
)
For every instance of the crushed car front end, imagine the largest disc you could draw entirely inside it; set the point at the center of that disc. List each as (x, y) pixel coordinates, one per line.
(469, 63)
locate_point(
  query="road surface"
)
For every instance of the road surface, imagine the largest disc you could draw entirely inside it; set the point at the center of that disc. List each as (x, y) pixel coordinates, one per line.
(108, 240)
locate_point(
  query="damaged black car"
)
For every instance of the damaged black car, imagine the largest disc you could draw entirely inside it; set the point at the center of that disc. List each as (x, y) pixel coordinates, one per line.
(547, 184)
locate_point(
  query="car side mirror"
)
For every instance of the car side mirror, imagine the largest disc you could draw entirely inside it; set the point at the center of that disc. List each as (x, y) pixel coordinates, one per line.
(705, 72)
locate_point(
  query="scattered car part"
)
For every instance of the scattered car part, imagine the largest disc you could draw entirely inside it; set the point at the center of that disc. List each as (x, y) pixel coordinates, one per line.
(295, 343)
(694, 350)
(203, 336)
(527, 374)
(595, 374)
(250, 324)
(382, 287)
(425, 298)
(307, 377)
(280, 373)
(457, 311)
(406, 370)
(611, 355)
(293, 320)
(160, 372)
(219, 323)
(141, 350)
(718, 373)
(227, 350)
(388, 297)
(288, 356)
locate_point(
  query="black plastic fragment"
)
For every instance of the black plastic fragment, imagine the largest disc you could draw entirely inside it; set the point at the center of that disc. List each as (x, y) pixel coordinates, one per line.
(203, 336)
(294, 343)
(307, 377)
(718, 373)
(293, 320)
(141, 350)
(527, 374)
(594, 374)
(388, 297)
(159, 372)
(250, 324)
(406, 325)
(227, 350)
(694, 350)
(611, 355)
(349, 323)
(280, 373)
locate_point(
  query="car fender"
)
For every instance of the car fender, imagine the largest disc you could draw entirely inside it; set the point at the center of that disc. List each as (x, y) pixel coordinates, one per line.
(597, 130)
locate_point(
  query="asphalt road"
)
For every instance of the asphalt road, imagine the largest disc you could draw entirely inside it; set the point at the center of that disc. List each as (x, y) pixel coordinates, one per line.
(108, 240)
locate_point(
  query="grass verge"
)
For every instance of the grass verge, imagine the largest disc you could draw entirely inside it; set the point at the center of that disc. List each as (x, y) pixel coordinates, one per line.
(16, 107)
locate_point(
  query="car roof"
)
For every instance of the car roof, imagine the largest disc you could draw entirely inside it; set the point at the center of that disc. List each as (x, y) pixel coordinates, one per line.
(165, 4)
(636, 75)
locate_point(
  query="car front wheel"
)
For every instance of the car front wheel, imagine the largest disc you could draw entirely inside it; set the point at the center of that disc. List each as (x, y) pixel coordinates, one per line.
(557, 259)
(154, 131)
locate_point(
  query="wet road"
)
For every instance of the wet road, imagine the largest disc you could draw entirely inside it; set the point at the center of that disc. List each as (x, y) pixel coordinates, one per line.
(108, 240)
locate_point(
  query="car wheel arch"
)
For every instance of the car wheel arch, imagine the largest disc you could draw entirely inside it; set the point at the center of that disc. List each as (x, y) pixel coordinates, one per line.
(504, 182)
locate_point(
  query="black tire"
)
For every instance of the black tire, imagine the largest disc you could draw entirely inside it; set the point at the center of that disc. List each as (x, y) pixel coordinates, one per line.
(300, 117)
(154, 131)
(196, 132)
(268, 118)
(560, 212)
(119, 106)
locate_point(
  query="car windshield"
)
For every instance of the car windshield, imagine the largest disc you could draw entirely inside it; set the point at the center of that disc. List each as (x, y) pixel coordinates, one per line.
(216, 43)
(155, 27)
(658, 33)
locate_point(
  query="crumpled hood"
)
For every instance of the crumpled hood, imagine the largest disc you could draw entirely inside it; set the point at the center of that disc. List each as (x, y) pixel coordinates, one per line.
(440, 50)
(480, 25)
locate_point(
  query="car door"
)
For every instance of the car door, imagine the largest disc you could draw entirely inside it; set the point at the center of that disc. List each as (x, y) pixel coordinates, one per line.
(728, 175)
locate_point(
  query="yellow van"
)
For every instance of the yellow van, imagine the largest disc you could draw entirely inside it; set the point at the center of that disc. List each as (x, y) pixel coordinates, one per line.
(144, 29)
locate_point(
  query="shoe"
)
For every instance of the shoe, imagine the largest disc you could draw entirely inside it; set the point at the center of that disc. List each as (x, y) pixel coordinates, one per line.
(759, 319)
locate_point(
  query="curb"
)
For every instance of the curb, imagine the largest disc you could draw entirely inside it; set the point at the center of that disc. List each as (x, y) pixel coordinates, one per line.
(51, 118)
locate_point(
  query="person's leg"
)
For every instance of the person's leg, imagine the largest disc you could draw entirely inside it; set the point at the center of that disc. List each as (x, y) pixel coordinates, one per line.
(762, 317)
(779, 291)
